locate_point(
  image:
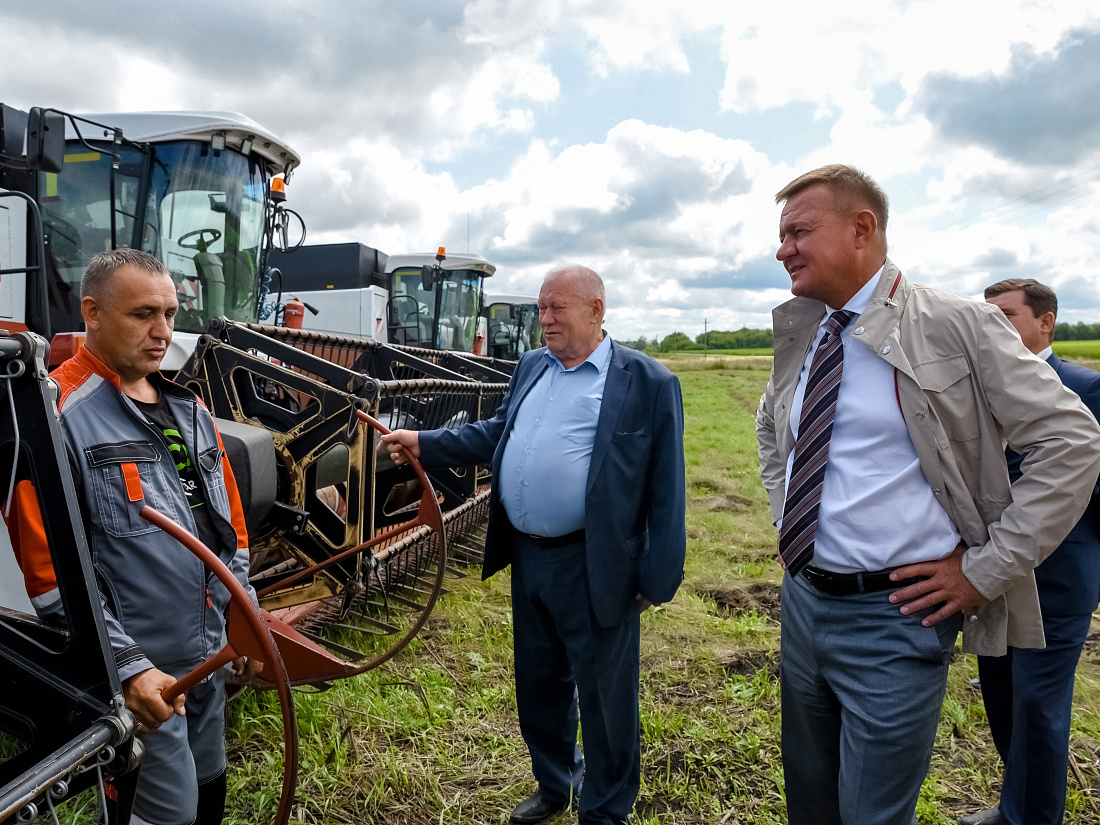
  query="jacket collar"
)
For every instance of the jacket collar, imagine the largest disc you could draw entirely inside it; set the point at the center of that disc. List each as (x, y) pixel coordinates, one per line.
(878, 322)
(85, 358)
(881, 319)
(883, 313)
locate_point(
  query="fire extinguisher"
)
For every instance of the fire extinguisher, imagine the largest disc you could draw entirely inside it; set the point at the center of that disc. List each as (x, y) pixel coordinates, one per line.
(479, 337)
(294, 313)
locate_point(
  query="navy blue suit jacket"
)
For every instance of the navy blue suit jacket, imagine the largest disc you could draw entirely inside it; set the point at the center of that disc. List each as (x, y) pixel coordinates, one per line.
(635, 496)
(1069, 578)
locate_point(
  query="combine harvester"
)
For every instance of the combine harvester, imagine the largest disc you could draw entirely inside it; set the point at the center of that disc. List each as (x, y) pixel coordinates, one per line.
(427, 304)
(512, 325)
(345, 545)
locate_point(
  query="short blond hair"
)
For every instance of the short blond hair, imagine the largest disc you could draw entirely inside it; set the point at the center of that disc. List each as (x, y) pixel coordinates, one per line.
(848, 184)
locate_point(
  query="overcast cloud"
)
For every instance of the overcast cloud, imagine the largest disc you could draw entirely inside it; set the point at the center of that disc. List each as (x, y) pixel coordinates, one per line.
(644, 139)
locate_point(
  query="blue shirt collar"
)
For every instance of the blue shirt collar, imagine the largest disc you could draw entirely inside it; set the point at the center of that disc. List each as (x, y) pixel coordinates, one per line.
(600, 357)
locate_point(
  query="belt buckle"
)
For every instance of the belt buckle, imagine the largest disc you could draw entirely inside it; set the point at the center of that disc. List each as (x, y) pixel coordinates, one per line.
(814, 576)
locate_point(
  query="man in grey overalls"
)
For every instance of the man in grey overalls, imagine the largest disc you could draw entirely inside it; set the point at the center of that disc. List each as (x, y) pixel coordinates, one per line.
(134, 437)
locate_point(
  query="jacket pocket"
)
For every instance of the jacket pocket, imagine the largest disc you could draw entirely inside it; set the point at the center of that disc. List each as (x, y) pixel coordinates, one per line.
(118, 514)
(951, 394)
(636, 546)
(210, 465)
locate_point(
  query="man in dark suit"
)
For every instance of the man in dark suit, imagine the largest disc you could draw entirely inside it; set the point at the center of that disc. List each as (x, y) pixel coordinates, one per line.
(1028, 694)
(587, 507)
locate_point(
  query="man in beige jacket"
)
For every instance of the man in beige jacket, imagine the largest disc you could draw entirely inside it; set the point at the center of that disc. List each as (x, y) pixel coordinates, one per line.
(881, 437)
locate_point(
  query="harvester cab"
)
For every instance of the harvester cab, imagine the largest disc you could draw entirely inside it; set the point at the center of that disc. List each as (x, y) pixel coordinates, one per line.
(512, 322)
(429, 301)
(435, 301)
(202, 191)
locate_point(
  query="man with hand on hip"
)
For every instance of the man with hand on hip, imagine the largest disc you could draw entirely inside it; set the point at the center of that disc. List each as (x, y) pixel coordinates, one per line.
(880, 440)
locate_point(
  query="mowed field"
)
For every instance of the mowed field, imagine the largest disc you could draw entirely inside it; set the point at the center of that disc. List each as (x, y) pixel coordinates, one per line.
(1083, 352)
(432, 737)
(1087, 352)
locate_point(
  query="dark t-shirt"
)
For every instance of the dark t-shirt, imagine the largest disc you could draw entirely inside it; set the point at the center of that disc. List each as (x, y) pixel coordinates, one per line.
(160, 416)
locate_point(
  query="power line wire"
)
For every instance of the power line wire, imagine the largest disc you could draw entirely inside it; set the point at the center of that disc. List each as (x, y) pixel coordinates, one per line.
(1029, 198)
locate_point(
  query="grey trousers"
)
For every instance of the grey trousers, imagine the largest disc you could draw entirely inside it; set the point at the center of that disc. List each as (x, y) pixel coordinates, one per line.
(862, 687)
(180, 754)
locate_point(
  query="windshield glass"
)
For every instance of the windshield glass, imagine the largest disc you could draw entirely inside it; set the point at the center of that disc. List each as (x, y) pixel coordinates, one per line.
(412, 309)
(204, 218)
(76, 217)
(513, 330)
(202, 215)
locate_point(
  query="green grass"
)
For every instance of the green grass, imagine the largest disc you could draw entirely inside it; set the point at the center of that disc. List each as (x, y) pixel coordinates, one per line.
(688, 354)
(1085, 353)
(1078, 349)
(432, 737)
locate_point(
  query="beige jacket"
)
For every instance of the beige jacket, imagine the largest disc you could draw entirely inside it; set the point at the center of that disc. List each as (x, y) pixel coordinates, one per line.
(966, 386)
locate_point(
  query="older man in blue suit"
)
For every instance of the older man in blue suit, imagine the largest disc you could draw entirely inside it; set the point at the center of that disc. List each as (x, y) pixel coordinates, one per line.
(1028, 694)
(588, 508)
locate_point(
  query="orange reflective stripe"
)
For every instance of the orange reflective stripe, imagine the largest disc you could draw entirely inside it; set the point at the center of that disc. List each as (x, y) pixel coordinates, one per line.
(133, 482)
(28, 539)
(236, 509)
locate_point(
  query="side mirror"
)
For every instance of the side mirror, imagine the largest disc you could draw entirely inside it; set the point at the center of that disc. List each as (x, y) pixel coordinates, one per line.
(13, 131)
(427, 277)
(45, 140)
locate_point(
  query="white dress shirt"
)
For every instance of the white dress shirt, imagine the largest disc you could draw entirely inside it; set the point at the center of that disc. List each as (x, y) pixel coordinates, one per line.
(877, 508)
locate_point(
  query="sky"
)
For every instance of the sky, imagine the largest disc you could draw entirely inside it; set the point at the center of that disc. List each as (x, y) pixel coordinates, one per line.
(643, 139)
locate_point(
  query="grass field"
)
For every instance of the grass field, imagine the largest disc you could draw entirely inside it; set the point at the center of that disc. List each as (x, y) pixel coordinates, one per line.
(1078, 349)
(1083, 351)
(432, 737)
(693, 354)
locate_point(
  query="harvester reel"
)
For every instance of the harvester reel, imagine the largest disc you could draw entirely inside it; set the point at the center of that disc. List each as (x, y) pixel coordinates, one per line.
(429, 515)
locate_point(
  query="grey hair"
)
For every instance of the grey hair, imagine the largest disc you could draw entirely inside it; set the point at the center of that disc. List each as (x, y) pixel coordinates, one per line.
(99, 277)
(589, 285)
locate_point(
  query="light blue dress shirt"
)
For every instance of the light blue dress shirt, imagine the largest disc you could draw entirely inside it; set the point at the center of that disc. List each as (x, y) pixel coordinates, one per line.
(544, 469)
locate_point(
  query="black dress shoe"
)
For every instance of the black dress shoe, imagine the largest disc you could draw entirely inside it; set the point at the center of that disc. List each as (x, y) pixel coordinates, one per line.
(991, 816)
(536, 808)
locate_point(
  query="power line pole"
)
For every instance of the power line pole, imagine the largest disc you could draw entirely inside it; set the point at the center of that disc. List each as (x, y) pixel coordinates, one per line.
(706, 339)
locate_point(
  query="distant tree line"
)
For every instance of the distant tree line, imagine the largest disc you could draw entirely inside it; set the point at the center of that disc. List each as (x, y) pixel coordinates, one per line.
(743, 338)
(746, 338)
(1076, 332)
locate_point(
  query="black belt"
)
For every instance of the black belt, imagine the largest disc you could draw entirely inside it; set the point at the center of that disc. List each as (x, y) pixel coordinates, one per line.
(557, 541)
(848, 584)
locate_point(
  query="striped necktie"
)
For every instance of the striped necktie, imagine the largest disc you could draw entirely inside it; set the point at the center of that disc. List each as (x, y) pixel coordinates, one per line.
(811, 449)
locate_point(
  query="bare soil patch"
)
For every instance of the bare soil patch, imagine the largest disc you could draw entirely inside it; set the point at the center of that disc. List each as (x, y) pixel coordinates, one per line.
(708, 494)
(748, 663)
(762, 597)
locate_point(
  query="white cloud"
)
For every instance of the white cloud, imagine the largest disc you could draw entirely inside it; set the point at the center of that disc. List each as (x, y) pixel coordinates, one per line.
(385, 100)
